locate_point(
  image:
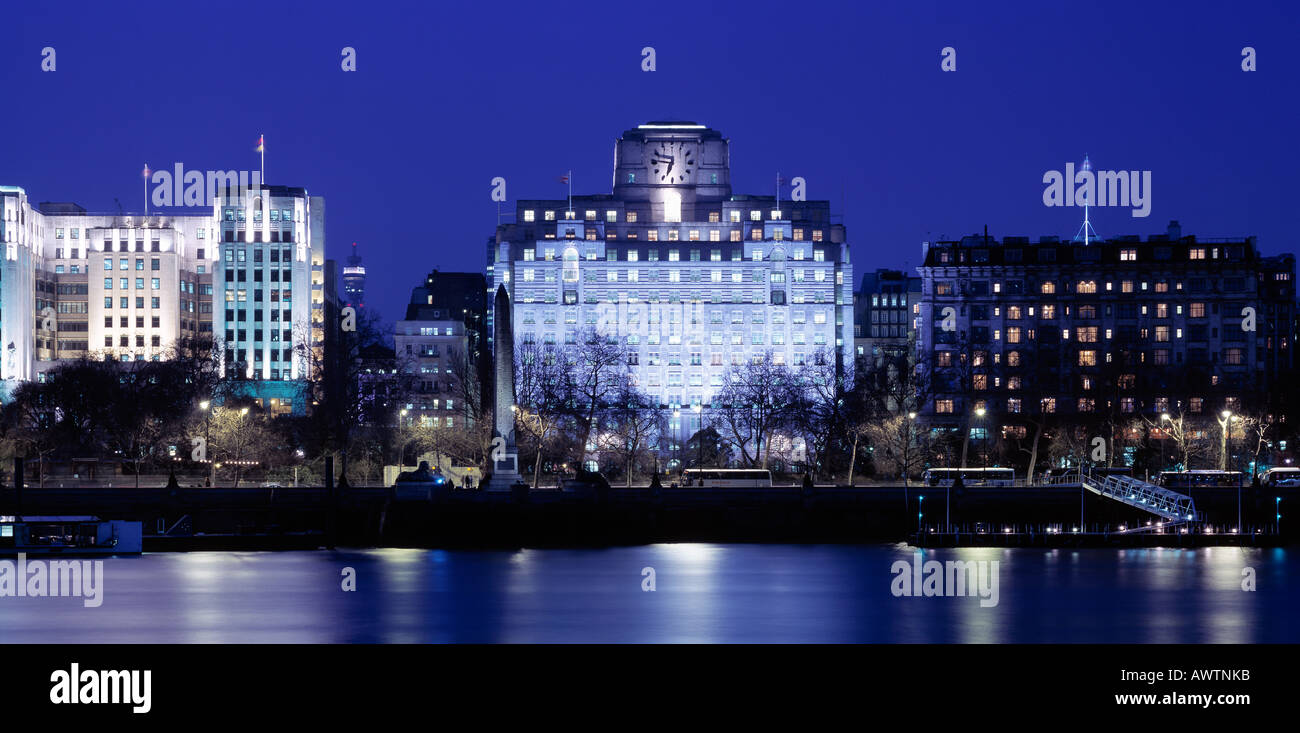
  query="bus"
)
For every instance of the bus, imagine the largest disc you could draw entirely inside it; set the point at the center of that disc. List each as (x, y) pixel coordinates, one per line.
(1283, 476)
(970, 476)
(727, 478)
(1201, 479)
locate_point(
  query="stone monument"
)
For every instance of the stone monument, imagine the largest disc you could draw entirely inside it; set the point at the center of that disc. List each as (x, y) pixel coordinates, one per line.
(503, 455)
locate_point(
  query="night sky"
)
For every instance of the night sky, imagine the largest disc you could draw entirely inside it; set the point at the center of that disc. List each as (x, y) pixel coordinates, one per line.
(849, 95)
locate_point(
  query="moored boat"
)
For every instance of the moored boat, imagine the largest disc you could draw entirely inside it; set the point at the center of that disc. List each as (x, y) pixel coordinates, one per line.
(69, 535)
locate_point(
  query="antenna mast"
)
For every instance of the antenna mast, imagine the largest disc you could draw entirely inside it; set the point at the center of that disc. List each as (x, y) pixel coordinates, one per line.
(1086, 231)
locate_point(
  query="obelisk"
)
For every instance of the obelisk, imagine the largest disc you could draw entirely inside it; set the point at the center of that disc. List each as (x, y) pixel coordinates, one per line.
(503, 454)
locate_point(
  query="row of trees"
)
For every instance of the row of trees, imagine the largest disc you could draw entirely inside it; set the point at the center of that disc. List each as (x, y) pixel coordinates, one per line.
(581, 402)
(146, 415)
(881, 420)
(180, 413)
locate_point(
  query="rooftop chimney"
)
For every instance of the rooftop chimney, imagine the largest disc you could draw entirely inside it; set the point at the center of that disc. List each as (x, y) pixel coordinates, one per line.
(1175, 230)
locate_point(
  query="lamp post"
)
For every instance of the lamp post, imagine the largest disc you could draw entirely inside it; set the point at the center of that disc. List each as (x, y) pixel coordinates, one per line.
(907, 449)
(239, 458)
(677, 433)
(920, 512)
(401, 439)
(984, 436)
(699, 442)
(206, 406)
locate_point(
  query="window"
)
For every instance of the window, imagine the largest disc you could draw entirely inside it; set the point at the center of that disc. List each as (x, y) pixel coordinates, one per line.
(1087, 357)
(1128, 255)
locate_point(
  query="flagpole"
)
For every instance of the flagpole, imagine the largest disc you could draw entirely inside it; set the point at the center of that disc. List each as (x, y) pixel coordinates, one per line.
(262, 151)
(571, 192)
(146, 189)
(778, 190)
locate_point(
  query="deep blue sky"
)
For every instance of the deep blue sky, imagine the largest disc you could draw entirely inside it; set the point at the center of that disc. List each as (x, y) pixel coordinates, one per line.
(849, 95)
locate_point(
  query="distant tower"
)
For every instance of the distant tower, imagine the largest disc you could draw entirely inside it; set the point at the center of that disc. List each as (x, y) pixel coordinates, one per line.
(1086, 232)
(354, 281)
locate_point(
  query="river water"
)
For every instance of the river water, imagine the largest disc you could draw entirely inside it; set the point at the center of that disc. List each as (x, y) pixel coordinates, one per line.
(702, 593)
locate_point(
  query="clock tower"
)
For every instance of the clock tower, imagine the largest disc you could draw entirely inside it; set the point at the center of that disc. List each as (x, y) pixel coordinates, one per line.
(672, 164)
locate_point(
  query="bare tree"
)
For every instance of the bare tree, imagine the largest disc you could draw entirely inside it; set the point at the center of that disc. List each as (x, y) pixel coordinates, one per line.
(631, 425)
(541, 396)
(1188, 437)
(757, 399)
(474, 442)
(893, 385)
(240, 437)
(596, 371)
(823, 413)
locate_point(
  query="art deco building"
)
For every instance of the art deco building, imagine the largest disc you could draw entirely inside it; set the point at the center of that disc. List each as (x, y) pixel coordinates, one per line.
(127, 286)
(690, 276)
(120, 286)
(1125, 327)
(271, 240)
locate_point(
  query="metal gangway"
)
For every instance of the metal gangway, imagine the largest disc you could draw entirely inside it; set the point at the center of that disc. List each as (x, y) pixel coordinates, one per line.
(1173, 507)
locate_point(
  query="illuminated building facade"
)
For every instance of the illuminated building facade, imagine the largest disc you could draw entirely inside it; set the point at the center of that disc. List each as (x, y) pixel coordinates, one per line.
(689, 276)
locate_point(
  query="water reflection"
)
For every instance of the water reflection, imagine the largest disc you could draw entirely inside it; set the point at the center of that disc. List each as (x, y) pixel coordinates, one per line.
(703, 593)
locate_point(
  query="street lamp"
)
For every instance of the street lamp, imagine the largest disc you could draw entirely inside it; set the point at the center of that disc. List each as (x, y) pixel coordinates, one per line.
(205, 405)
(401, 438)
(907, 448)
(699, 441)
(984, 436)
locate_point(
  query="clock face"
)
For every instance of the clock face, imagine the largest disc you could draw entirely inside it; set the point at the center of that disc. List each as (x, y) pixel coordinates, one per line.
(671, 162)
